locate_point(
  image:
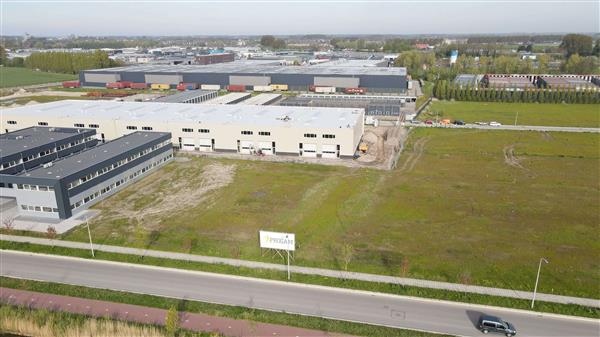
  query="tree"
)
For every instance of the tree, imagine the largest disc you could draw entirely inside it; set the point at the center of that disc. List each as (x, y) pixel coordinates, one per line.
(9, 224)
(3, 56)
(172, 321)
(267, 40)
(51, 232)
(346, 253)
(577, 44)
(596, 50)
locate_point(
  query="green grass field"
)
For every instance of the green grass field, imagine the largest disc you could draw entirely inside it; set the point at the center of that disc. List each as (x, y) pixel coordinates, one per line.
(477, 207)
(13, 77)
(582, 115)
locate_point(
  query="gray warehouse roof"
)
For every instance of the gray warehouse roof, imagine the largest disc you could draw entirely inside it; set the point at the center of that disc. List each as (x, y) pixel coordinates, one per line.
(183, 96)
(32, 137)
(249, 68)
(259, 115)
(95, 155)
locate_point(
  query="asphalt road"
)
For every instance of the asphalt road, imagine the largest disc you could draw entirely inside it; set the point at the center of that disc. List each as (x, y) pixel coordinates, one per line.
(511, 127)
(343, 304)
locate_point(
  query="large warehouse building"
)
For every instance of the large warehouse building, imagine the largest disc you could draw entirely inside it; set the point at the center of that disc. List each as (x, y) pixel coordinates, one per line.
(245, 129)
(68, 184)
(297, 78)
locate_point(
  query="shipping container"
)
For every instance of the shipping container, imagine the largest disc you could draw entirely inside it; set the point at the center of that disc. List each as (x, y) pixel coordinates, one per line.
(355, 91)
(210, 87)
(187, 86)
(139, 85)
(262, 88)
(71, 84)
(126, 84)
(325, 90)
(236, 88)
(157, 86)
(282, 87)
(115, 85)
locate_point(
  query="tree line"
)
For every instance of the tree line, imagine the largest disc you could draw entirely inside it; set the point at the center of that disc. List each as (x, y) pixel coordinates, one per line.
(69, 63)
(450, 91)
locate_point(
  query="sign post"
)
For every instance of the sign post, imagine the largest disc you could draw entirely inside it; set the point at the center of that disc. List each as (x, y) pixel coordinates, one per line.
(279, 241)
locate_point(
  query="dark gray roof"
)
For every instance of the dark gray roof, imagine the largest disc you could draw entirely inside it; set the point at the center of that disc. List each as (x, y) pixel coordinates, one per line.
(30, 138)
(95, 155)
(183, 96)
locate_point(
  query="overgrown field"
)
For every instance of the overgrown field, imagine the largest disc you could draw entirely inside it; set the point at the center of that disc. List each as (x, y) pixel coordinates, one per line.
(12, 77)
(581, 115)
(477, 207)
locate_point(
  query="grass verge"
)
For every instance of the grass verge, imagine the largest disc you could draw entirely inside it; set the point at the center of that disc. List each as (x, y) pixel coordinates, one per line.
(211, 309)
(565, 309)
(13, 77)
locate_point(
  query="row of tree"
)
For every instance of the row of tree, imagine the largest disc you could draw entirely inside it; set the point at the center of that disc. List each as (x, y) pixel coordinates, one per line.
(271, 42)
(448, 91)
(69, 63)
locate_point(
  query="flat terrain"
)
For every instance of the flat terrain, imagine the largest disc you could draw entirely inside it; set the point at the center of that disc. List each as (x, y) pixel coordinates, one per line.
(469, 206)
(12, 77)
(582, 115)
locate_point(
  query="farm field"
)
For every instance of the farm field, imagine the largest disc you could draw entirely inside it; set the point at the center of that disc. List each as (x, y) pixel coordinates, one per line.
(12, 77)
(458, 200)
(582, 115)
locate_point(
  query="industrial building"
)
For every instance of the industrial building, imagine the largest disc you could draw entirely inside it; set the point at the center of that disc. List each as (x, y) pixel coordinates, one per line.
(214, 58)
(508, 82)
(372, 107)
(249, 74)
(575, 83)
(527, 81)
(25, 149)
(69, 184)
(468, 80)
(245, 129)
(231, 98)
(261, 99)
(190, 96)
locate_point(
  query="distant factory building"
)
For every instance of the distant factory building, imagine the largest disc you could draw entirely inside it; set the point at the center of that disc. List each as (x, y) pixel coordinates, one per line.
(244, 129)
(214, 58)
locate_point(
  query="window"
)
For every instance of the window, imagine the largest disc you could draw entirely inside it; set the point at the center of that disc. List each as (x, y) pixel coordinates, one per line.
(247, 133)
(187, 130)
(79, 125)
(12, 122)
(95, 126)
(328, 136)
(204, 130)
(43, 123)
(131, 127)
(147, 128)
(310, 135)
(264, 133)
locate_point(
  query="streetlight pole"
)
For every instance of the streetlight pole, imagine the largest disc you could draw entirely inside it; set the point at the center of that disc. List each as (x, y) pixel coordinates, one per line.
(537, 279)
(516, 116)
(90, 236)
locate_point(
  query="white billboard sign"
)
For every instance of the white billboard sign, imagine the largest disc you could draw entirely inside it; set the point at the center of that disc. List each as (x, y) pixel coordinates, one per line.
(275, 240)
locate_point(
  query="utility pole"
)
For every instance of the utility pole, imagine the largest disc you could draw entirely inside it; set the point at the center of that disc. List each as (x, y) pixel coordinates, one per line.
(288, 263)
(537, 279)
(90, 236)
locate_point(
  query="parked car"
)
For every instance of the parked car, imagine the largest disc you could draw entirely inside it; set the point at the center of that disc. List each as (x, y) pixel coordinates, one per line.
(481, 123)
(415, 121)
(495, 124)
(496, 324)
(429, 122)
(458, 122)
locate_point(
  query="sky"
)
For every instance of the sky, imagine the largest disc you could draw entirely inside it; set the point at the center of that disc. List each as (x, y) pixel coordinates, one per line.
(286, 17)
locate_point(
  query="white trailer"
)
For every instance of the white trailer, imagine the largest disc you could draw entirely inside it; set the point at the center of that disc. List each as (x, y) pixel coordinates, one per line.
(210, 87)
(262, 88)
(325, 90)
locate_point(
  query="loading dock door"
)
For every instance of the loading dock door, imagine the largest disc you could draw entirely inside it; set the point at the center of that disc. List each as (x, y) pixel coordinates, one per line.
(246, 147)
(205, 145)
(187, 144)
(309, 150)
(266, 148)
(330, 151)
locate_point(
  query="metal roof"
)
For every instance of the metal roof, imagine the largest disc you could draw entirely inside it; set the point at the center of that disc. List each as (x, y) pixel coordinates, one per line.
(95, 155)
(33, 137)
(232, 114)
(253, 67)
(183, 96)
(260, 99)
(229, 98)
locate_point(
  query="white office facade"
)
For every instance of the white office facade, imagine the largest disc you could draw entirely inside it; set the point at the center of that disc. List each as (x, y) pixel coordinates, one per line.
(250, 130)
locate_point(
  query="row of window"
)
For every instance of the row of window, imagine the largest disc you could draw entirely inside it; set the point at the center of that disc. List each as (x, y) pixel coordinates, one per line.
(118, 183)
(314, 135)
(260, 133)
(113, 166)
(133, 127)
(39, 209)
(192, 130)
(35, 187)
(45, 152)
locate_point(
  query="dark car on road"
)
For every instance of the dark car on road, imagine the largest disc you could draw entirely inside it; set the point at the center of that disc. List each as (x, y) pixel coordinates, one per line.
(496, 324)
(458, 122)
(429, 122)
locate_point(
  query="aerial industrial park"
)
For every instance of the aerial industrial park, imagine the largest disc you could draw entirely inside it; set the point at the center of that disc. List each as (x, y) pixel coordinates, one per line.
(189, 175)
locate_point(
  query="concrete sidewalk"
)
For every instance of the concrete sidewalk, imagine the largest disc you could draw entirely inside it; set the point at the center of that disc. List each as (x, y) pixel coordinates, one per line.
(146, 315)
(588, 302)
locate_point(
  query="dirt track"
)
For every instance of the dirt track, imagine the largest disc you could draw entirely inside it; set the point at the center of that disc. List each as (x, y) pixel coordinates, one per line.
(413, 158)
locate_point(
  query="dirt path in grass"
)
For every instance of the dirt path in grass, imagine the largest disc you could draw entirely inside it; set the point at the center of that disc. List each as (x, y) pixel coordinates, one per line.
(146, 315)
(413, 158)
(509, 157)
